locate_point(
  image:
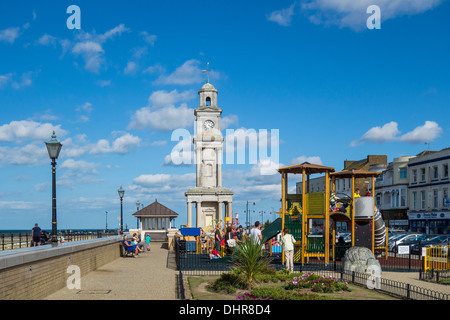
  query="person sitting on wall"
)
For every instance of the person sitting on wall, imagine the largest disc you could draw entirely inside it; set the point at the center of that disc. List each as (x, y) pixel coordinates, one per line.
(130, 247)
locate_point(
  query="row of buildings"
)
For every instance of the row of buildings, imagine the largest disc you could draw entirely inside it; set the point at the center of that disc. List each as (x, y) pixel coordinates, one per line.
(412, 192)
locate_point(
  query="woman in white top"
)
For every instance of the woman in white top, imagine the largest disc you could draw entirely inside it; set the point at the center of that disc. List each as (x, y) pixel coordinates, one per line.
(288, 245)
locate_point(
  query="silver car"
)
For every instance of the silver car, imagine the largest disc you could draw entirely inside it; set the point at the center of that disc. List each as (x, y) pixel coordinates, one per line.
(406, 237)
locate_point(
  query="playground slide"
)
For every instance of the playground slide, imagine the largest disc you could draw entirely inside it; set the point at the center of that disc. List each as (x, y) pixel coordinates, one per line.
(272, 230)
(380, 229)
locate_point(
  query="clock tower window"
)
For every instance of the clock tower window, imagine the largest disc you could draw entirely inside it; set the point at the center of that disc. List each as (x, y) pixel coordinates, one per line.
(208, 101)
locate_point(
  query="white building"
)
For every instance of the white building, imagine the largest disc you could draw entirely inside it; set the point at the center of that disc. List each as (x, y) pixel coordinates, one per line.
(428, 192)
(391, 193)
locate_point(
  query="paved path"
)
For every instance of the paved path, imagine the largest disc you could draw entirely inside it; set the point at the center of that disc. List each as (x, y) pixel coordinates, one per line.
(151, 276)
(413, 279)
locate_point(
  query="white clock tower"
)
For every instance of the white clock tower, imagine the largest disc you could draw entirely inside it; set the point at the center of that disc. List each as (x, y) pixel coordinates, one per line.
(209, 194)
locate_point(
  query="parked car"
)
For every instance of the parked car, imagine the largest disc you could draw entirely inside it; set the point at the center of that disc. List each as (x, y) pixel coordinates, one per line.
(411, 242)
(438, 240)
(394, 242)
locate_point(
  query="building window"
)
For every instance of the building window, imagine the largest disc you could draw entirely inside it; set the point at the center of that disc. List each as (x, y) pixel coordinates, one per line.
(403, 197)
(422, 200)
(445, 199)
(445, 171)
(403, 173)
(414, 176)
(208, 101)
(415, 200)
(435, 199)
(422, 175)
(435, 173)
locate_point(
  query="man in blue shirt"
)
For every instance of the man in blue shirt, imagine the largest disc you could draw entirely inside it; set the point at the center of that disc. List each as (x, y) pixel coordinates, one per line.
(36, 235)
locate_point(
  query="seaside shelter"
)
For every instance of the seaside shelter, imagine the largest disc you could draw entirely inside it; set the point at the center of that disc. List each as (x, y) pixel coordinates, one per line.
(155, 220)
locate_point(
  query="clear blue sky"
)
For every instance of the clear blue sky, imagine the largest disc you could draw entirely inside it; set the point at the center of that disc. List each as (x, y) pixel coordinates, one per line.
(115, 90)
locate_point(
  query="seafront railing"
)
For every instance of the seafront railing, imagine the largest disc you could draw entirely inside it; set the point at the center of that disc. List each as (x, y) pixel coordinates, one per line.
(18, 240)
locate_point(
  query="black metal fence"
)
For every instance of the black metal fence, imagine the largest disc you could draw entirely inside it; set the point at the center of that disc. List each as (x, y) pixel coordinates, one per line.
(9, 241)
(202, 264)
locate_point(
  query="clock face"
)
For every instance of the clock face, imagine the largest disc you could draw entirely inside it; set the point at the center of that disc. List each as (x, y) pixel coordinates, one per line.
(208, 124)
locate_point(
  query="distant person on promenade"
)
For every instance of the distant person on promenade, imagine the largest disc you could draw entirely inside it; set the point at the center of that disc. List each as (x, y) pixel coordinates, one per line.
(255, 233)
(36, 235)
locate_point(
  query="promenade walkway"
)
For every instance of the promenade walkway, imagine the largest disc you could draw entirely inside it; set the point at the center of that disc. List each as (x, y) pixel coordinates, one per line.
(151, 276)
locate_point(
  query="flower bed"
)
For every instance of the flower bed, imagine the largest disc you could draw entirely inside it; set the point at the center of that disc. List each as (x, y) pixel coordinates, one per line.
(295, 288)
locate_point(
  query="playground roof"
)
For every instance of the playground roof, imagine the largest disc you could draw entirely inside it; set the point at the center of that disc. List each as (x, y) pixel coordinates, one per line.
(307, 167)
(355, 173)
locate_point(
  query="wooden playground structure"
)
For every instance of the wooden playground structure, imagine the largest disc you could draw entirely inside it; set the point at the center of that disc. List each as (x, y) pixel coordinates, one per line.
(297, 211)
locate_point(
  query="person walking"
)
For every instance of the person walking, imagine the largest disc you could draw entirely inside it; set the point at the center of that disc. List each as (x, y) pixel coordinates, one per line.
(217, 237)
(255, 233)
(36, 235)
(288, 241)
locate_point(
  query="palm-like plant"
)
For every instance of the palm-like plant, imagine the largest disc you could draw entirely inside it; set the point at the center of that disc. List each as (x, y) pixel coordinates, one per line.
(248, 260)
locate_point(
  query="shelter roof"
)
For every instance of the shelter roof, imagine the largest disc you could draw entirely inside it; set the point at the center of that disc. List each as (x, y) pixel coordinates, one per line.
(155, 209)
(307, 167)
(355, 173)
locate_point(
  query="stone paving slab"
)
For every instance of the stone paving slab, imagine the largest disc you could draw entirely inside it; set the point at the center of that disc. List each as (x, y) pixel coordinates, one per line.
(151, 276)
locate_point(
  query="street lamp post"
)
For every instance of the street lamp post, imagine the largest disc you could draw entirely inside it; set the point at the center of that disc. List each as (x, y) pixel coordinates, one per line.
(248, 216)
(53, 148)
(138, 205)
(106, 221)
(121, 193)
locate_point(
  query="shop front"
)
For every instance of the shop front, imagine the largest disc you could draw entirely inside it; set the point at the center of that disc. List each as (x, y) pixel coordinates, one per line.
(430, 222)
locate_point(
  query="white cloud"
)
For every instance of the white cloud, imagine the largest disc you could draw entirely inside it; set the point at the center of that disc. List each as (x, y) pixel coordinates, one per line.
(381, 134)
(131, 68)
(80, 167)
(87, 45)
(162, 98)
(5, 79)
(103, 83)
(283, 17)
(188, 73)
(164, 119)
(19, 205)
(228, 121)
(92, 53)
(122, 145)
(9, 35)
(113, 32)
(30, 154)
(423, 134)
(149, 38)
(302, 159)
(47, 39)
(28, 130)
(390, 132)
(163, 182)
(162, 114)
(352, 14)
